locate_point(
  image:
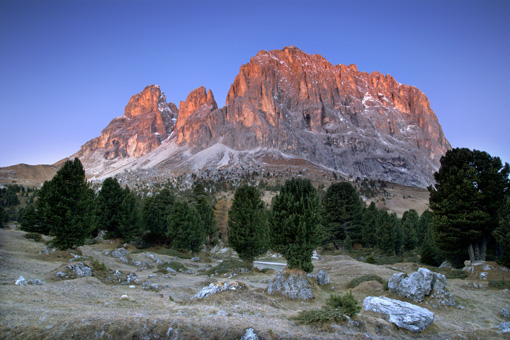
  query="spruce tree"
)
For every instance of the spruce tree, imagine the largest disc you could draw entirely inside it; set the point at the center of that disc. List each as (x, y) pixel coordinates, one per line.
(429, 253)
(296, 229)
(155, 213)
(398, 234)
(343, 209)
(369, 228)
(423, 225)
(385, 232)
(68, 207)
(185, 228)
(31, 220)
(2, 216)
(201, 201)
(247, 224)
(130, 219)
(466, 200)
(502, 234)
(410, 221)
(108, 213)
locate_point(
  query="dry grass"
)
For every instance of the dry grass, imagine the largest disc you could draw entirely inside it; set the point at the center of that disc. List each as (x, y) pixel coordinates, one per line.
(87, 308)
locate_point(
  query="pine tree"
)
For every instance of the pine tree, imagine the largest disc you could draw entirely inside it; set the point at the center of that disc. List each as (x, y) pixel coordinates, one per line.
(429, 253)
(155, 213)
(108, 202)
(130, 221)
(385, 232)
(466, 199)
(423, 226)
(2, 216)
(343, 209)
(348, 243)
(398, 234)
(248, 225)
(410, 221)
(31, 220)
(185, 228)
(201, 202)
(502, 234)
(295, 223)
(68, 206)
(369, 229)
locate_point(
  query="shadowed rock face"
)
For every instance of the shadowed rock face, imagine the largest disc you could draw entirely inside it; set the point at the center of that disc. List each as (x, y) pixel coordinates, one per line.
(334, 116)
(148, 120)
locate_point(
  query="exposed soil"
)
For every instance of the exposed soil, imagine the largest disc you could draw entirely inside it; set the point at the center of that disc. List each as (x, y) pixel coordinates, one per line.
(88, 308)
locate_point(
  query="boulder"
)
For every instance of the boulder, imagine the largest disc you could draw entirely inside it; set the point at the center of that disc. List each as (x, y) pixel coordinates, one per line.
(21, 281)
(154, 258)
(196, 259)
(118, 253)
(403, 314)
(250, 335)
(291, 283)
(219, 287)
(79, 269)
(505, 313)
(504, 327)
(420, 284)
(322, 278)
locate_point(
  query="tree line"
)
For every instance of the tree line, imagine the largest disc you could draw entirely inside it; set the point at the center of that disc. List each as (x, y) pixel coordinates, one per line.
(469, 216)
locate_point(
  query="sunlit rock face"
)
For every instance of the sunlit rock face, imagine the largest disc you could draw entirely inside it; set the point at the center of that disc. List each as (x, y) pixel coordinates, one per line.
(148, 120)
(360, 124)
(285, 103)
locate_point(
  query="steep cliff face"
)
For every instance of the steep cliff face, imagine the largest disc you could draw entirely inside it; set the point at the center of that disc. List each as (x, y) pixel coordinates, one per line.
(357, 123)
(148, 120)
(284, 104)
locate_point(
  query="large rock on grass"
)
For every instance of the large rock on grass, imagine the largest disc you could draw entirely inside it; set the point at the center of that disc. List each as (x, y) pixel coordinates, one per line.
(403, 314)
(292, 283)
(420, 284)
(219, 287)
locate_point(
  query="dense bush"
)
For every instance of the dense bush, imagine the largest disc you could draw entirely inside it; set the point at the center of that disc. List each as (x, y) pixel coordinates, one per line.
(369, 277)
(336, 309)
(34, 236)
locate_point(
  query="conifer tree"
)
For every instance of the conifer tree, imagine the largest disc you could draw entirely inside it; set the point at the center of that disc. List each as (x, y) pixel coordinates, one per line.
(343, 209)
(466, 200)
(502, 233)
(429, 253)
(108, 213)
(398, 234)
(296, 229)
(31, 220)
(348, 243)
(2, 216)
(410, 221)
(155, 213)
(369, 228)
(201, 202)
(385, 232)
(68, 206)
(185, 228)
(424, 225)
(248, 232)
(130, 221)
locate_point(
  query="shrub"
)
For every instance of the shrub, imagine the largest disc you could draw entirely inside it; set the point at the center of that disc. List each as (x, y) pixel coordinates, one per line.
(369, 277)
(455, 274)
(335, 310)
(499, 284)
(370, 259)
(34, 236)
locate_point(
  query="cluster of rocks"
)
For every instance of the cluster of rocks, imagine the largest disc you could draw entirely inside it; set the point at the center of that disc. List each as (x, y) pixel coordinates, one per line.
(74, 270)
(219, 287)
(403, 314)
(47, 251)
(22, 282)
(250, 335)
(123, 278)
(292, 283)
(420, 284)
(121, 254)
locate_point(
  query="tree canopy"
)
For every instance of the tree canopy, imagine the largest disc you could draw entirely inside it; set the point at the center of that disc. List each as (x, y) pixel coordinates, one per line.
(247, 224)
(296, 229)
(466, 199)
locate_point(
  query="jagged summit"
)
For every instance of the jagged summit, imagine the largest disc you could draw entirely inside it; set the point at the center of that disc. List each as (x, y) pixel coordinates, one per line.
(283, 104)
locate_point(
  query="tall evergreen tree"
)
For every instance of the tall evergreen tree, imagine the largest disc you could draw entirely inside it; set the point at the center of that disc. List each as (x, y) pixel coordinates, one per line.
(185, 228)
(68, 206)
(155, 213)
(296, 229)
(424, 225)
(343, 209)
(2, 216)
(248, 232)
(466, 199)
(398, 233)
(410, 221)
(369, 228)
(429, 253)
(130, 221)
(31, 220)
(385, 232)
(502, 233)
(108, 213)
(201, 202)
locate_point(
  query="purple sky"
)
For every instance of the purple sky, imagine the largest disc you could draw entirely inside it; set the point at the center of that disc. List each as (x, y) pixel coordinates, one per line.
(69, 67)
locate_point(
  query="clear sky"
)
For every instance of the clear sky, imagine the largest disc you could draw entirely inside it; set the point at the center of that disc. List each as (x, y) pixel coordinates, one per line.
(67, 68)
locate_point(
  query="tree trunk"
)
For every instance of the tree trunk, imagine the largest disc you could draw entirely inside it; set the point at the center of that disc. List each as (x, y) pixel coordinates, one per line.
(483, 249)
(477, 252)
(471, 253)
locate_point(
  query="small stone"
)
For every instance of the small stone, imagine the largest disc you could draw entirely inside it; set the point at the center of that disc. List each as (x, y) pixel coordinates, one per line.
(196, 259)
(132, 286)
(505, 313)
(21, 281)
(37, 282)
(504, 327)
(322, 278)
(124, 297)
(483, 276)
(250, 335)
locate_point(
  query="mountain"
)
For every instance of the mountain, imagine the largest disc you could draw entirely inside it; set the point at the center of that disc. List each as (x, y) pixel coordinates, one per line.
(287, 113)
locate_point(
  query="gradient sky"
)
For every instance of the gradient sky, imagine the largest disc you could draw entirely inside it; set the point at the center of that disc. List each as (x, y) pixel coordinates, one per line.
(67, 68)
